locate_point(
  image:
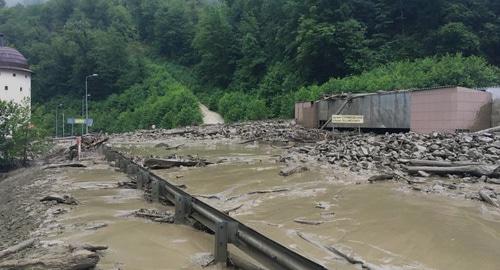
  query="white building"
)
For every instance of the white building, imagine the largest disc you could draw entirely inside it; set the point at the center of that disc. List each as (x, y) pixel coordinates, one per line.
(15, 76)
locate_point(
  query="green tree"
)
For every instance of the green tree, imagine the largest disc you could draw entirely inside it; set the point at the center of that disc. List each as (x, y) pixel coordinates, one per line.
(456, 38)
(216, 44)
(17, 134)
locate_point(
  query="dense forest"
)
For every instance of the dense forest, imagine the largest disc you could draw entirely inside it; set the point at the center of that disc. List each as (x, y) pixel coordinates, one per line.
(247, 59)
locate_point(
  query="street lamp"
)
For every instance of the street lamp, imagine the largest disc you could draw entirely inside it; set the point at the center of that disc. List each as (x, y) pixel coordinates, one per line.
(57, 116)
(87, 102)
(83, 110)
(63, 123)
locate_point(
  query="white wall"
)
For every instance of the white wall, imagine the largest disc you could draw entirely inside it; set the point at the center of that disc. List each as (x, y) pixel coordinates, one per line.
(18, 86)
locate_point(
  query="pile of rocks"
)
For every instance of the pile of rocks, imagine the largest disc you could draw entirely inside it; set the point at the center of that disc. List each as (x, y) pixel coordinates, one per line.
(267, 131)
(393, 151)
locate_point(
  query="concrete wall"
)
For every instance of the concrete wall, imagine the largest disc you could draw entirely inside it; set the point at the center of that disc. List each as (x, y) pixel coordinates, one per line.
(306, 114)
(380, 111)
(15, 85)
(449, 110)
(495, 107)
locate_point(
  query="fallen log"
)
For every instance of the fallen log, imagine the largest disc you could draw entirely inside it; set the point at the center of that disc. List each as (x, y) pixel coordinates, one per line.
(484, 194)
(128, 184)
(89, 247)
(489, 130)
(99, 142)
(337, 252)
(228, 211)
(293, 170)
(79, 259)
(210, 197)
(64, 199)
(493, 181)
(155, 215)
(174, 147)
(308, 222)
(17, 248)
(439, 163)
(423, 174)
(159, 163)
(381, 177)
(268, 191)
(486, 170)
(64, 165)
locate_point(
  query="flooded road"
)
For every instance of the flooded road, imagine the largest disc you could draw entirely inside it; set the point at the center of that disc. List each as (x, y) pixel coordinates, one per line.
(133, 243)
(378, 224)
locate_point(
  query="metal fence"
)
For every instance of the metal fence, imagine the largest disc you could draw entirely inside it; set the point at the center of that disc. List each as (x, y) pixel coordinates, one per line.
(227, 230)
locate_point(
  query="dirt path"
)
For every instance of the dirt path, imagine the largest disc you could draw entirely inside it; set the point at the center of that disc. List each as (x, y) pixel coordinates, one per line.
(210, 117)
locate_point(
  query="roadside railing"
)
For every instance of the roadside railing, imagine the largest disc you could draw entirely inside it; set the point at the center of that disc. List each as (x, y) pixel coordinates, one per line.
(227, 230)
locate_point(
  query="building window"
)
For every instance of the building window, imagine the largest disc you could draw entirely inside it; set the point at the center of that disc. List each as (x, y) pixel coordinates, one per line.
(21, 89)
(14, 74)
(6, 87)
(25, 76)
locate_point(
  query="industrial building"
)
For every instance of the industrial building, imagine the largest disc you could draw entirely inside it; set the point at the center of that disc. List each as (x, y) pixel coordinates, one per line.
(445, 109)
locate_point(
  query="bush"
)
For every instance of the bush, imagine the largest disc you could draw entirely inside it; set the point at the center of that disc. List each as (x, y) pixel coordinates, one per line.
(238, 106)
(19, 138)
(160, 100)
(472, 71)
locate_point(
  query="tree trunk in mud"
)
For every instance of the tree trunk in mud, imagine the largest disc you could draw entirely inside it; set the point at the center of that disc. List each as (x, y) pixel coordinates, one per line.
(158, 163)
(80, 259)
(487, 170)
(16, 248)
(484, 194)
(293, 170)
(438, 163)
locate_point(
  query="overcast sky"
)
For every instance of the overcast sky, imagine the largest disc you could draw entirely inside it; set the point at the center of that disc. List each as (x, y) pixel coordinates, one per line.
(14, 2)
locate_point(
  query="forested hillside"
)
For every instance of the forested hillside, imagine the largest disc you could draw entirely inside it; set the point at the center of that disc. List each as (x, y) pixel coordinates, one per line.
(248, 59)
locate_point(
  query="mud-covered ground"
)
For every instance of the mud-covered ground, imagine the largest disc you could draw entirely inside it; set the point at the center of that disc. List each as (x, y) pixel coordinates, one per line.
(405, 221)
(388, 157)
(94, 224)
(402, 220)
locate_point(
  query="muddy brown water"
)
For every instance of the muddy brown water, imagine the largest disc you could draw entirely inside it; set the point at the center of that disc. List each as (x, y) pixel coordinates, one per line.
(385, 227)
(133, 243)
(379, 224)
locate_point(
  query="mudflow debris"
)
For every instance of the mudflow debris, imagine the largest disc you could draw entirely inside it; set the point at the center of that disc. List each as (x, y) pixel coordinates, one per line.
(419, 160)
(174, 161)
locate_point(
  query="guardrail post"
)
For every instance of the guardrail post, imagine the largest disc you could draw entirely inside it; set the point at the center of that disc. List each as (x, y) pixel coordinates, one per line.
(122, 164)
(181, 209)
(130, 170)
(221, 239)
(155, 191)
(142, 179)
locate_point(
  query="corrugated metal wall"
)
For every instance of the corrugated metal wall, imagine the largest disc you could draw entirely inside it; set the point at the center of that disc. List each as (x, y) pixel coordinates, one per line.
(445, 109)
(384, 110)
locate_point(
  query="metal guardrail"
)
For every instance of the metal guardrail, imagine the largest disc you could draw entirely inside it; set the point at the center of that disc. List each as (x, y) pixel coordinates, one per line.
(226, 229)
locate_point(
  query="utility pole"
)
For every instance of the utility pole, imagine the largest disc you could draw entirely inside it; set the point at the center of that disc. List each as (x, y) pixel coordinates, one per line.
(83, 100)
(87, 102)
(63, 123)
(57, 118)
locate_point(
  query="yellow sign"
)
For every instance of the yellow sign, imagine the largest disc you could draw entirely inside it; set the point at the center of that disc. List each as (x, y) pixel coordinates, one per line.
(348, 119)
(79, 121)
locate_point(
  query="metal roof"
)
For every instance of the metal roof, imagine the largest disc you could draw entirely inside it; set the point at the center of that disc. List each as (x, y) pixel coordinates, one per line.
(11, 58)
(390, 92)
